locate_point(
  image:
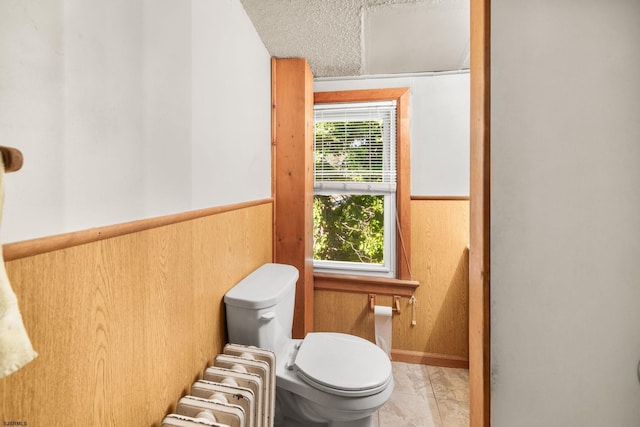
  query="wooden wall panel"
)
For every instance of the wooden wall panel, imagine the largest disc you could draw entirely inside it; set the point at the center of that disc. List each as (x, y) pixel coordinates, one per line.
(293, 177)
(440, 232)
(439, 235)
(124, 325)
(349, 312)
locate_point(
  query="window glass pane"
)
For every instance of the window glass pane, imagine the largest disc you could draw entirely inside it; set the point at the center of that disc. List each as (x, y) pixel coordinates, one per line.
(354, 187)
(349, 228)
(350, 151)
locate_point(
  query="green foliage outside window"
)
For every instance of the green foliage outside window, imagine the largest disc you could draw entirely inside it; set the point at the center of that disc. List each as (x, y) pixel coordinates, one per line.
(349, 227)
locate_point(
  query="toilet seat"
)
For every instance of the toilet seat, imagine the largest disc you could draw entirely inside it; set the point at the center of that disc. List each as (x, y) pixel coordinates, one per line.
(342, 365)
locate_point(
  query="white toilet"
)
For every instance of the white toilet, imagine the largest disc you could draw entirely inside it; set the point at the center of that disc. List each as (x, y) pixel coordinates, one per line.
(326, 379)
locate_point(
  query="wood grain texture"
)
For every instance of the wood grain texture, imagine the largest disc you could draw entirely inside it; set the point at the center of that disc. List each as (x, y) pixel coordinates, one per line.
(361, 95)
(439, 233)
(37, 246)
(124, 325)
(365, 284)
(440, 198)
(440, 238)
(480, 208)
(433, 359)
(293, 233)
(346, 312)
(403, 192)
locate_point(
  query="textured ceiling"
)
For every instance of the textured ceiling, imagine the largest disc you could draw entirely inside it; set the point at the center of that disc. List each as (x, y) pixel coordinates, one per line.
(366, 37)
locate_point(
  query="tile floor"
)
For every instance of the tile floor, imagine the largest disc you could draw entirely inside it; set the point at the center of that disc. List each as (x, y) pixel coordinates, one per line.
(426, 396)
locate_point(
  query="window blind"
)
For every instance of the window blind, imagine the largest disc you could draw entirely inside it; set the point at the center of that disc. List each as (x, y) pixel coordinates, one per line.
(354, 146)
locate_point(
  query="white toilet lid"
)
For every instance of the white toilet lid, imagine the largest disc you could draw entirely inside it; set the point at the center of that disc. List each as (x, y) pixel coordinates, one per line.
(343, 365)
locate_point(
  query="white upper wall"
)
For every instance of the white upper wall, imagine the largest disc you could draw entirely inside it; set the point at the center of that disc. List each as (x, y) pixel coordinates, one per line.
(130, 109)
(565, 213)
(439, 128)
(231, 154)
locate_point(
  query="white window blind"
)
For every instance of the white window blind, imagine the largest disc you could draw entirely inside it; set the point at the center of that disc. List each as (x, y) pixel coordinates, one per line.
(354, 146)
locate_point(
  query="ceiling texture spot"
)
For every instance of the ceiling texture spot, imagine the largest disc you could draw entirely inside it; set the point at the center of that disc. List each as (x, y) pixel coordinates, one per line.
(342, 38)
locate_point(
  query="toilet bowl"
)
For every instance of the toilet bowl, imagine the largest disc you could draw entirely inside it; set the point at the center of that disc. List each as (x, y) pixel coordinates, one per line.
(325, 379)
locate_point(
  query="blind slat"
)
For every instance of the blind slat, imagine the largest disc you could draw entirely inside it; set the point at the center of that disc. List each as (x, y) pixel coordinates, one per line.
(355, 143)
(355, 187)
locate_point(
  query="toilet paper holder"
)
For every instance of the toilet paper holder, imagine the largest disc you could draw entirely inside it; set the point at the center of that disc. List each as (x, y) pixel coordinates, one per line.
(396, 303)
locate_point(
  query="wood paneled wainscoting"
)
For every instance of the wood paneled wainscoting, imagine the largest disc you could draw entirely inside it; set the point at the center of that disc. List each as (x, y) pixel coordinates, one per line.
(439, 262)
(124, 325)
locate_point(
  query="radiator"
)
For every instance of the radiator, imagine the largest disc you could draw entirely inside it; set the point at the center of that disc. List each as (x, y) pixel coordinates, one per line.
(237, 391)
(245, 380)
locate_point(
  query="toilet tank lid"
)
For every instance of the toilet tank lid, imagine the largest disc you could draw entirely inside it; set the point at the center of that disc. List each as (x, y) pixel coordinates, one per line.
(264, 287)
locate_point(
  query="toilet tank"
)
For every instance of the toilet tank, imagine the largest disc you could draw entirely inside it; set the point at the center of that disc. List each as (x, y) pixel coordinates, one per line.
(259, 309)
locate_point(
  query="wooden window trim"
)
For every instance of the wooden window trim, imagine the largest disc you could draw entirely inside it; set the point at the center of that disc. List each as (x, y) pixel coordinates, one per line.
(364, 284)
(403, 192)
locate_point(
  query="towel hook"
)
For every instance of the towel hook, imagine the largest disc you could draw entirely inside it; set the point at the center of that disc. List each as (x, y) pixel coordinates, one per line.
(11, 158)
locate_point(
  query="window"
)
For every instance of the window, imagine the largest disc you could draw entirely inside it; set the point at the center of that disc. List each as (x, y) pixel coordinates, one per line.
(357, 185)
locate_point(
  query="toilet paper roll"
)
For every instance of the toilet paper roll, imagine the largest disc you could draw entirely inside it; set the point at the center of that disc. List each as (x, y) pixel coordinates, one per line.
(383, 316)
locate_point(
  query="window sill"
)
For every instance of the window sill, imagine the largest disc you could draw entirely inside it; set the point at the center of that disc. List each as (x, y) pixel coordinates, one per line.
(364, 284)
